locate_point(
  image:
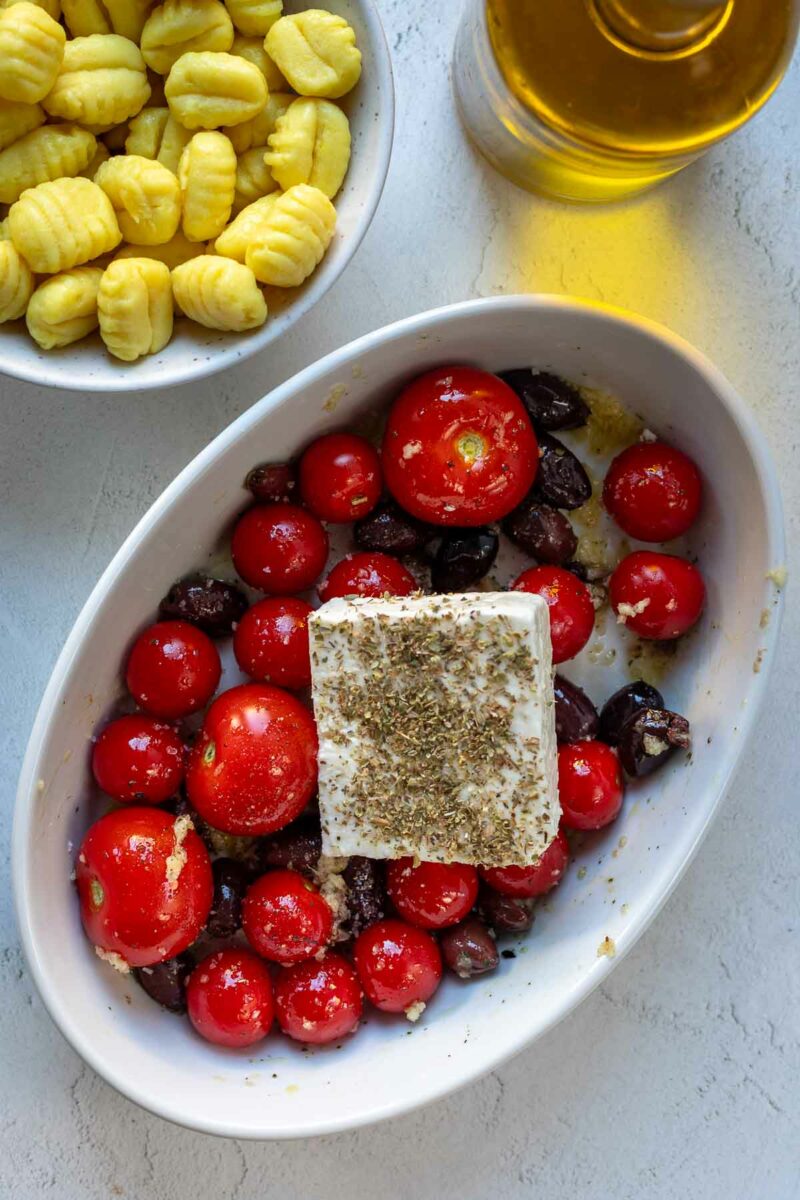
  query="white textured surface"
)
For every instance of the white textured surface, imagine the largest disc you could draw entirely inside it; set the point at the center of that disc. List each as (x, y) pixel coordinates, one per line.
(679, 1078)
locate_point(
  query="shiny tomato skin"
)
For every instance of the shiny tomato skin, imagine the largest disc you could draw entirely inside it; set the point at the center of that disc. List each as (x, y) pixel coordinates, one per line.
(657, 595)
(284, 917)
(537, 879)
(318, 1002)
(398, 964)
(459, 448)
(279, 549)
(340, 477)
(138, 760)
(653, 491)
(271, 642)
(137, 898)
(173, 669)
(431, 895)
(590, 784)
(253, 767)
(229, 998)
(570, 604)
(368, 573)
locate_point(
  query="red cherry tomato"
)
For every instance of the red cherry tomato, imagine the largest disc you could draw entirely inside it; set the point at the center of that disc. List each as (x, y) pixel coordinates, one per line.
(368, 574)
(537, 879)
(229, 998)
(340, 477)
(253, 769)
(318, 1002)
(399, 965)
(138, 760)
(271, 642)
(459, 448)
(570, 604)
(284, 917)
(657, 595)
(431, 895)
(590, 785)
(653, 491)
(173, 669)
(279, 548)
(144, 883)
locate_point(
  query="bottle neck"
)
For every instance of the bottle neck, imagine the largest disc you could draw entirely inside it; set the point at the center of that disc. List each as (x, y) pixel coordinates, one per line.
(658, 27)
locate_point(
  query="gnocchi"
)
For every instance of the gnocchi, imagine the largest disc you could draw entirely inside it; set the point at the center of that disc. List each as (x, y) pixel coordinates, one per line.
(101, 155)
(174, 252)
(125, 17)
(49, 152)
(63, 309)
(102, 81)
(18, 118)
(31, 49)
(253, 178)
(145, 196)
(253, 50)
(207, 177)
(134, 307)
(179, 26)
(155, 133)
(293, 237)
(236, 237)
(51, 7)
(316, 51)
(254, 17)
(256, 131)
(208, 89)
(16, 282)
(62, 224)
(219, 293)
(310, 144)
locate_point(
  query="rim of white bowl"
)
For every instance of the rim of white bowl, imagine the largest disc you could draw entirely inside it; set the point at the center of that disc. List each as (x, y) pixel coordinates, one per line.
(51, 371)
(480, 1061)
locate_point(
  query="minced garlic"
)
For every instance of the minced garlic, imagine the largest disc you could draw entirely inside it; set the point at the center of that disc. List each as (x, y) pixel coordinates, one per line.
(176, 861)
(113, 959)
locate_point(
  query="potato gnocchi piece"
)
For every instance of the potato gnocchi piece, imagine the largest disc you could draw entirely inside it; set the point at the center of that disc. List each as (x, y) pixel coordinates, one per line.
(178, 27)
(17, 119)
(31, 50)
(125, 17)
(63, 224)
(253, 50)
(116, 136)
(146, 131)
(253, 178)
(49, 152)
(254, 17)
(5, 232)
(207, 90)
(134, 306)
(63, 309)
(51, 7)
(310, 144)
(207, 175)
(293, 238)
(101, 155)
(174, 252)
(256, 131)
(236, 237)
(146, 198)
(16, 282)
(219, 293)
(102, 81)
(316, 51)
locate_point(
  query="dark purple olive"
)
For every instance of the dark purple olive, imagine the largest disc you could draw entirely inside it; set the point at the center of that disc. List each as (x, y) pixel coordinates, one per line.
(561, 479)
(541, 531)
(366, 894)
(552, 403)
(578, 570)
(230, 884)
(620, 707)
(649, 738)
(165, 982)
(463, 558)
(273, 483)
(297, 847)
(469, 949)
(504, 914)
(213, 605)
(390, 530)
(576, 716)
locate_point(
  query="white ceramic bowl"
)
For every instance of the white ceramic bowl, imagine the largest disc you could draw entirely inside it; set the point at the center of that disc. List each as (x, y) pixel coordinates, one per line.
(275, 1090)
(194, 351)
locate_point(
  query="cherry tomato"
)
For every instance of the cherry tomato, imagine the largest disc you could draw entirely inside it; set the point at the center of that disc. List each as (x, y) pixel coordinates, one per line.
(318, 1002)
(279, 548)
(537, 879)
(285, 919)
(139, 760)
(144, 883)
(653, 491)
(459, 448)
(431, 895)
(657, 595)
(271, 642)
(368, 574)
(570, 604)
(253, 769)
(340, 477)
(590, 785)
(173, 669)
(399, 965)
(229, 998)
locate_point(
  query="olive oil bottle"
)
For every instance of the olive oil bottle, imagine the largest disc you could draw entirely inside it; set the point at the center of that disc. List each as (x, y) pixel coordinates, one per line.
(598, 99)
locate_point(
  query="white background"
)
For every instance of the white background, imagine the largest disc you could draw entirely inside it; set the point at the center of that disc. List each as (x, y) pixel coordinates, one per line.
(681, 1077)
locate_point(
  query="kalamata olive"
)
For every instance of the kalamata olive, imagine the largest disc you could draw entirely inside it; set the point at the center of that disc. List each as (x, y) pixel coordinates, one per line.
(576, 716)
(541, 531)
(505, 914)
(649, 737)
(273, 483)
(469, 949)
(552, 403)
(620, 707)
(230, 884)
(366, 894)
(463, 558)
(561, 479)
(213, 605)
(297, 847)
(388, 529)
(165, 982)
(578, 569)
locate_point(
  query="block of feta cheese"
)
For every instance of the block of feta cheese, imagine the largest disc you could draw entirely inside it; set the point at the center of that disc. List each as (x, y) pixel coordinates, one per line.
(436, 726)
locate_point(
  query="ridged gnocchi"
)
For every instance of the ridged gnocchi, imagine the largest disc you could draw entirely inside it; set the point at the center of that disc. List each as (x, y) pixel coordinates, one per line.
(49, 152)
(179, 26)
(63, 309)
(18, 118)
(208, 89)
(254, 17)
(31, 49)
(145, 196)
(16, 282)
(219, 293)
(174, 252)
(125, 17)
(207, 176)
(51, 7)
(253, 50)
(134, 306)
(243, 229)
(63, 224)
(293, 238)
(256, 131)
(316, 51)
(253, 178)
(155, 133)
(310, 144)
(102, 81)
